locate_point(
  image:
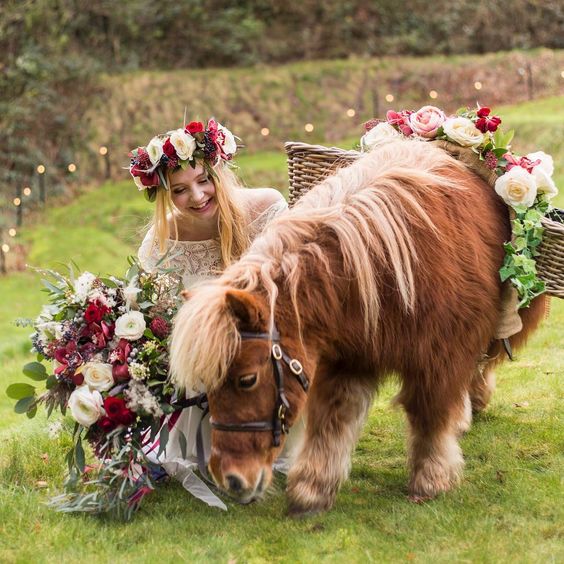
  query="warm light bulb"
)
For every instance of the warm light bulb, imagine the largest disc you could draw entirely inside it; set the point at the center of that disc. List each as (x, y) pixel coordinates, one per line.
(433, 94)
(265, 131)
(6, 248)
(41, 169)
(103, 150)
(17, 201)
(308, 127)
(27, 191)
(478, 85)
(351, 112)
(12, 232)
(72, 167)
(389, 97)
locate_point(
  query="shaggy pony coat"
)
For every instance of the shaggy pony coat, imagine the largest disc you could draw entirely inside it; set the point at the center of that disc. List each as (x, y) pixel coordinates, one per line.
(389, 266)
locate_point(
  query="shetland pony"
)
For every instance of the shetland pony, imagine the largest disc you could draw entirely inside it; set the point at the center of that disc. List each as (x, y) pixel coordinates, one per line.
(388, 267)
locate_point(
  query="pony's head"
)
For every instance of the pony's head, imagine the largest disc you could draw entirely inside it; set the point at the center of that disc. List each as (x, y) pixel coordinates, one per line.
(224, 341)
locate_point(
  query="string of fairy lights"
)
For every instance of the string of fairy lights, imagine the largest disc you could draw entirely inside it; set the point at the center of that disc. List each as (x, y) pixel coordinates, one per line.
(104, 152)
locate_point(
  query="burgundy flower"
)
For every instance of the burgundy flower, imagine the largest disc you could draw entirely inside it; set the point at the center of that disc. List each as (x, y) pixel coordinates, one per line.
(483, 112)
(490, 160)
(523, 162)
(120, 372)
(194, 127)
(489, 123)
(106, 424)
(117, 411)
(95, 312)
(169, 150)
(371, 124)
(160, 327)
(401, 120)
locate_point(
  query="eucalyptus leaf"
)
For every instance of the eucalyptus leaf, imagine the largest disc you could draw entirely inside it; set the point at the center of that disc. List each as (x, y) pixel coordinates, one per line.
(24, 404)
(183, 443)
(20, 390)
(79, 455)
(36, 371)
(163, 439)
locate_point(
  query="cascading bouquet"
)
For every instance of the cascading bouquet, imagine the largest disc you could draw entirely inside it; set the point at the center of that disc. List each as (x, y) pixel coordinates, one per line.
(105, 344)
(524, 182)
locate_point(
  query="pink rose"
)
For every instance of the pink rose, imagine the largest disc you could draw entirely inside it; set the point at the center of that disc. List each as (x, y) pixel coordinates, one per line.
(426, 121)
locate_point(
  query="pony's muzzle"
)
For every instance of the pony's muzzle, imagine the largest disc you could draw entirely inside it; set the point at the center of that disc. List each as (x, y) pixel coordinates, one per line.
(244, 485)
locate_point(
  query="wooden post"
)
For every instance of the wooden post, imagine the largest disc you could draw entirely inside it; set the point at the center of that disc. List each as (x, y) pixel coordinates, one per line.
(19, 208)
(3, 269)
(42, 197)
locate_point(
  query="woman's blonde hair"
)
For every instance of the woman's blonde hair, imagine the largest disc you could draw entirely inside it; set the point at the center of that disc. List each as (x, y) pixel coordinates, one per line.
(233, 220)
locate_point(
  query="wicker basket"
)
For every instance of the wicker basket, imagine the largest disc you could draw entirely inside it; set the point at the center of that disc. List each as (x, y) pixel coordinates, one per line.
(309, 164)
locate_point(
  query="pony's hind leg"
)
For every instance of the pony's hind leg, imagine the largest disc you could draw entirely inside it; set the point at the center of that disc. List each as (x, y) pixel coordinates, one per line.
(437, 416)
(336, 412)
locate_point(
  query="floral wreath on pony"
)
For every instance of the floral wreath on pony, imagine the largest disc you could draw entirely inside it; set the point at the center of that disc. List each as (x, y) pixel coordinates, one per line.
(523, 182)
(180, 149)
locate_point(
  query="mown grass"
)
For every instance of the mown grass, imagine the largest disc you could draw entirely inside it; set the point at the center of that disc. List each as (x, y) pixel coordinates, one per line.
(508, 507)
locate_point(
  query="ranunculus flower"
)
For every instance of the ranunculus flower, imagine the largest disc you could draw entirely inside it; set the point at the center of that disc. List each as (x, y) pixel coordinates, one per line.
(168, 149)
(130, 326)
(461, 130)
(517, 187)
(117, 411)
(379, 132)
(98, 376)
(426, 121)
(194, 127)
(155, 150)
(85, 405)
(94, 312)
(184, 144)
(226, 140)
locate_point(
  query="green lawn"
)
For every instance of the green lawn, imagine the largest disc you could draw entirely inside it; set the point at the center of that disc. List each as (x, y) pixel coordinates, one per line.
(508, 507)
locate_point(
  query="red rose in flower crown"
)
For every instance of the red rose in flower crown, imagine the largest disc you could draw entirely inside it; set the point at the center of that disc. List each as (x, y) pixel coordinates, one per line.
(485, 122)
(195, 127)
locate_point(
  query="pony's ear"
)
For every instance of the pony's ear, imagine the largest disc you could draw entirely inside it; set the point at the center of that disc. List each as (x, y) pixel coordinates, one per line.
(186, 295)
(245, 308)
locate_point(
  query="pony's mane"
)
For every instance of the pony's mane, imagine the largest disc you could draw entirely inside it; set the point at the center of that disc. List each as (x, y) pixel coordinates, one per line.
(368, 208)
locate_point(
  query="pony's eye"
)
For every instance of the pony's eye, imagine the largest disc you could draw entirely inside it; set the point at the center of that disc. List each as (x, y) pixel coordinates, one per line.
(247, 381)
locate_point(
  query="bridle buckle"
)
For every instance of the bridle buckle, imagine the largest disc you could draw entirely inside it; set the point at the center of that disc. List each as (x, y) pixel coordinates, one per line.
(276, 351)
(296, 366)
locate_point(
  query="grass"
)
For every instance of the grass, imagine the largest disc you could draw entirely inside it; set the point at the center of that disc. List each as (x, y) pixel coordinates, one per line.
(508, 507)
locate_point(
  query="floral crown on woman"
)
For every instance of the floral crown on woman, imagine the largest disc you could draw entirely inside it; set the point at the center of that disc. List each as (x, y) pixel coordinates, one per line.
(180, 148)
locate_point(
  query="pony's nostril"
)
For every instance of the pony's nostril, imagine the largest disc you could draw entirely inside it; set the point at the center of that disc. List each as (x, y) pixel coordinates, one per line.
(235, 483)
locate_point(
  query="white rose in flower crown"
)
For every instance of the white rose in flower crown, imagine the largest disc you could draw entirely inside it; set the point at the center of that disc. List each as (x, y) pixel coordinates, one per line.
(130, 326)
(517, 187)
(155, 150)
(382, 131)
(546, 162)
(86, 406)
(227, 140)
(461, 130)
(426, 121)
(545, 184)
(184, 144)
(98, 376)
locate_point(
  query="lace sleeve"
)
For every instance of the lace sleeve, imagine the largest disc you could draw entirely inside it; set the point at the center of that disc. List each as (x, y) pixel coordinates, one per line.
(259, 223)
(148, 252)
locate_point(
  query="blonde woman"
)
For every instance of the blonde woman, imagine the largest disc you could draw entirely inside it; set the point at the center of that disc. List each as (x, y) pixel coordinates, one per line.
(204, 220)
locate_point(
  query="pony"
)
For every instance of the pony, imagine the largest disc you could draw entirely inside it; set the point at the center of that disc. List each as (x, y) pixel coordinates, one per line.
(388, 267)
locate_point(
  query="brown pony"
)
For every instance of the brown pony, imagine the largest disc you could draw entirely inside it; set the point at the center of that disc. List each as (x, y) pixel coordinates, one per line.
(389, 266)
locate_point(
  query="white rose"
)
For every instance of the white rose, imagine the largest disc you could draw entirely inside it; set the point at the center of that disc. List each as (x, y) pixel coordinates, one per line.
(517, 187)
(130, 326)
(184, 144)
(545, 184)
(86, 406)
(227, 140)
(155, 150)
(546, 162)
(462, 131)
(380, 132)
(98, 376)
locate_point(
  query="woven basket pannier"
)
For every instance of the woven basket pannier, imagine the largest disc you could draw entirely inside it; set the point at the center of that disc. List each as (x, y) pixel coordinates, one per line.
(310, 164)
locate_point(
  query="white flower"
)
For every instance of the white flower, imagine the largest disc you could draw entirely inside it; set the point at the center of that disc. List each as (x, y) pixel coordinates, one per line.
(138, 397)
(545, 184)
(382, 131)
(138, 371)
(98, 376)
(226, 139)
(130, 326)
(517, 187)
(130, 294)
(184, 144)
(155, 150)
(85, 405)
(546, 162)
(49, 331)
(82, 286)
(462, 131)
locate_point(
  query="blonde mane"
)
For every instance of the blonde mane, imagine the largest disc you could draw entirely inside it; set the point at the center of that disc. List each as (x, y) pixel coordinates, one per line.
(369, 209)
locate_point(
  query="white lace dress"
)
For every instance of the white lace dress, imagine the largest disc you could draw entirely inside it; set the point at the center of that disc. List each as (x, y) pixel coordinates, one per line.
(198, 261)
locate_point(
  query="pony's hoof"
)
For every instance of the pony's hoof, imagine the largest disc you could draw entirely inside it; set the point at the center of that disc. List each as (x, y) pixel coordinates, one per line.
(296, 511)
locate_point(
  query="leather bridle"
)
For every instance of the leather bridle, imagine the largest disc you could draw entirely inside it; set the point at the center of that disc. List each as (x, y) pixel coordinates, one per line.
(278, 425)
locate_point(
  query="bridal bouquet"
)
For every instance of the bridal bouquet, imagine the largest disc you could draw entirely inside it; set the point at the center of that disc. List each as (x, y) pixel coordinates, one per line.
(101, 346)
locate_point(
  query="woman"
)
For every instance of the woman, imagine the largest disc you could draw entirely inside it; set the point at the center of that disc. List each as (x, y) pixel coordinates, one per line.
(204, 220)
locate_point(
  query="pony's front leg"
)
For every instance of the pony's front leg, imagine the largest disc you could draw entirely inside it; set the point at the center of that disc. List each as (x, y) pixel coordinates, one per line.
(336, 411)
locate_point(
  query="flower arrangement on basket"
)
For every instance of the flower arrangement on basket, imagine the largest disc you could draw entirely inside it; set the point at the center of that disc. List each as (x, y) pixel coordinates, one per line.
(524, 182)
(105, 344)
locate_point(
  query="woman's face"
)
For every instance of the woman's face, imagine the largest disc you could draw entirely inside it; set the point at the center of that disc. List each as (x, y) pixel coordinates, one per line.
(193, 192)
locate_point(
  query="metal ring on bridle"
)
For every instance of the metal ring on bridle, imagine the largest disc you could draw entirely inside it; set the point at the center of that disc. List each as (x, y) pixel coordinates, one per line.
(276, 351)
(296, 366)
